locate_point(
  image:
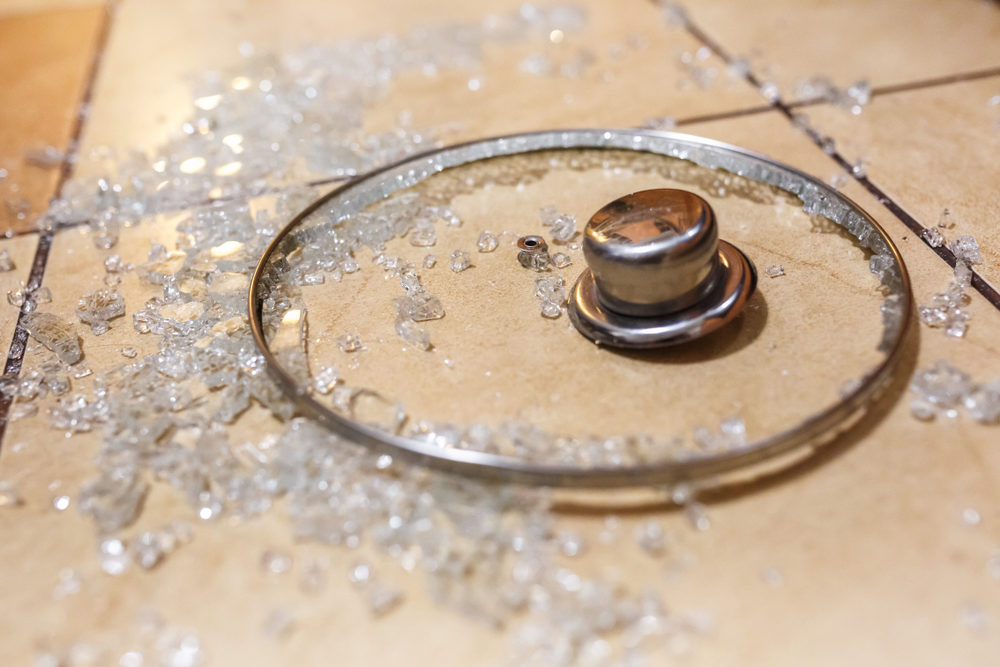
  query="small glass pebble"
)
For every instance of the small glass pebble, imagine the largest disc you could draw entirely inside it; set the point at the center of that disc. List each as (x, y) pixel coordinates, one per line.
(561, 260)
(326, 380)
(769, 91)
(947, 309)
(697, 515)
(273, 561)
(359, 573)
(61, 503)
(561, 226)
(9, 497)
(944, 220)
(933, 237)
(966, 249)
(487, 242)
(571, 544)
(6, 263)
(774, 270)
(419, 306)
(42, 295)
(15, 297)
(114, 264)
(429, 261)
(551, 292)
(651, 538)
(129, 352)
(114, 557)
(349, 342)
(460, 261)
(68, 583)
(971, 516)
(413, 333)
(659, 123)
(423, 234)
(550, 309)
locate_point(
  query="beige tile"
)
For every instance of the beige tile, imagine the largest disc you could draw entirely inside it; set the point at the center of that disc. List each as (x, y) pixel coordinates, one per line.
(883, 41)
(929, 150)
(867, 538)
(30, 6)
(21, 250)
(143, 89)
(45, 58)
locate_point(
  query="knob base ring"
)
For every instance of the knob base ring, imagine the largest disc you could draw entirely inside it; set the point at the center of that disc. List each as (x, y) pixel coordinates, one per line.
(719, 307)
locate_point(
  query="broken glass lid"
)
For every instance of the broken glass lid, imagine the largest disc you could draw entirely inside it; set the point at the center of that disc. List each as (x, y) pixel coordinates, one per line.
(396, 310)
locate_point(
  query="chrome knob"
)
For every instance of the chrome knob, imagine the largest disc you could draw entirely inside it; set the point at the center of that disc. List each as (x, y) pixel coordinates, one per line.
(657, 272)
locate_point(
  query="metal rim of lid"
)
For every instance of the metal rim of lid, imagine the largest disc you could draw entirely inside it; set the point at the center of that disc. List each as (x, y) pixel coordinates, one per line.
(761, 454)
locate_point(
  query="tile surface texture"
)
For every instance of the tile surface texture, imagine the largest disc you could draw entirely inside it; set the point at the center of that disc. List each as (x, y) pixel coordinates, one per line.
(44, 61)
(876, 564)
(929, 150)
(886, 43)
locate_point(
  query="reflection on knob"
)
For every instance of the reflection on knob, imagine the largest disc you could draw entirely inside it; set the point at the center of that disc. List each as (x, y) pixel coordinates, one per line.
(657, 272)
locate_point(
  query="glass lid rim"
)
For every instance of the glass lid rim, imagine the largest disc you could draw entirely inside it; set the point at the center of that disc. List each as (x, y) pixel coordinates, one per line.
(502, 468)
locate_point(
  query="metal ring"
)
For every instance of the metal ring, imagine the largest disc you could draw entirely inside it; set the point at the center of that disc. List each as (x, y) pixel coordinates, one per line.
(816, 195)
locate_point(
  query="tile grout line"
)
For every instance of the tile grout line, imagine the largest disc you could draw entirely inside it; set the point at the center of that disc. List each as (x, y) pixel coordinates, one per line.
(984, 288)
(724, 115)
(15, 354)
(908, 86)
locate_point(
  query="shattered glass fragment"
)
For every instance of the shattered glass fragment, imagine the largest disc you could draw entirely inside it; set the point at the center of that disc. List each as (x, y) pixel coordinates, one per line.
(966, 249)
(412, 333)
(487, 242)
(423, 234)
(349, 342)
(551, 293)
(55, 334)
(561, 226)
(561, 260)
(933, 237)
(460, 261)
(9, 496)
(98, 307)
(419, 307)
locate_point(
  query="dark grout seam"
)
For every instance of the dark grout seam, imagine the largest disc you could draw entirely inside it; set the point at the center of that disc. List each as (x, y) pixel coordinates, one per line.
(978, 282)
(15, 354)
(725, 115)
(908, 86)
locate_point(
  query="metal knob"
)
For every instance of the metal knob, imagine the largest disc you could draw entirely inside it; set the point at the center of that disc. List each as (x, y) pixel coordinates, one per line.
(657, 272)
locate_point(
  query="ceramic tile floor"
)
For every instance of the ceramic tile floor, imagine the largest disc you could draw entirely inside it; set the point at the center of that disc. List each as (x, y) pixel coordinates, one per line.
(878, 566)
